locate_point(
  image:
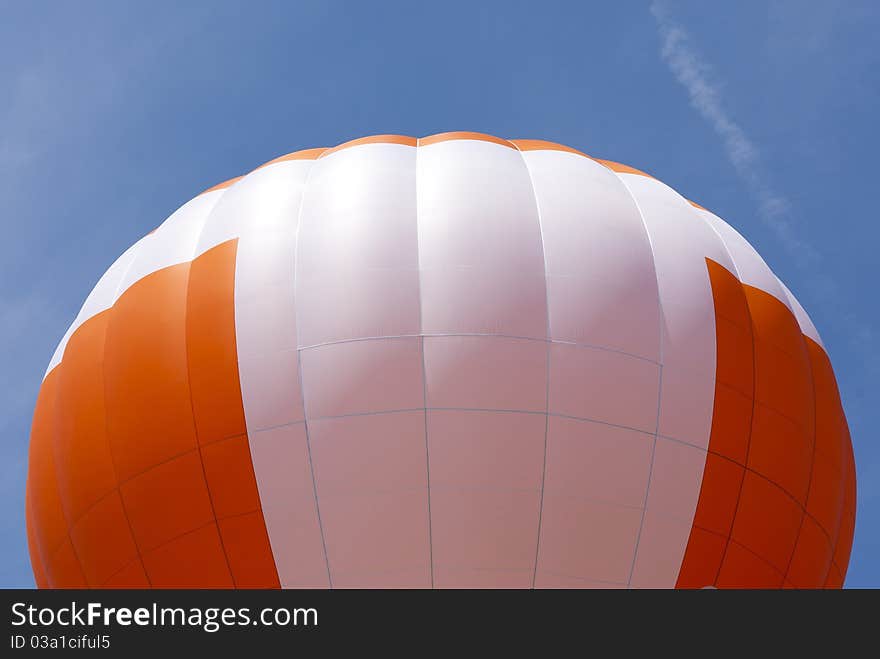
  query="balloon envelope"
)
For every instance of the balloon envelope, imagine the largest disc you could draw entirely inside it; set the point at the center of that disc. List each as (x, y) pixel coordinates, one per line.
(457, 361)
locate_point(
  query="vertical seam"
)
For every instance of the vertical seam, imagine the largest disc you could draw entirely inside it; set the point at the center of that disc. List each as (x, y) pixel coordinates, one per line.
(547, 337)
(745, 465)
(193, 257)
(243, 238)
(117, 487)
(424, 373)
(659, 374)
(54, 404)
(299, 372)
(116, 295)
(797, 537)
(68, 525)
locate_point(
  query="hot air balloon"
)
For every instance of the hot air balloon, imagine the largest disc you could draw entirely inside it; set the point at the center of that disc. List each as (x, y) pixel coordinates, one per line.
(454, 361)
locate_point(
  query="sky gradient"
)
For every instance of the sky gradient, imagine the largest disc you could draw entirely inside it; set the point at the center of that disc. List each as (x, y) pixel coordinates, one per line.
(114, 114)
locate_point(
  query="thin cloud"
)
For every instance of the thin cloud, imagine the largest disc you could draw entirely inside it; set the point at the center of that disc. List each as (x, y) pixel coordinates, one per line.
(693, 73)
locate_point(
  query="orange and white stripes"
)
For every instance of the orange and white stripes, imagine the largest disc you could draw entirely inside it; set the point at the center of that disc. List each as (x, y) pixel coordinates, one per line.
(449, 361)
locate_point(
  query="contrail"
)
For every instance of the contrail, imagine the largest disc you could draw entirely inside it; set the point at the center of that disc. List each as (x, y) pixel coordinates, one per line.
(693, 73)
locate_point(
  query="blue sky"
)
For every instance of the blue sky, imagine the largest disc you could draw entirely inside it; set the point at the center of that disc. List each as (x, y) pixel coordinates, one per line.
(114, 114)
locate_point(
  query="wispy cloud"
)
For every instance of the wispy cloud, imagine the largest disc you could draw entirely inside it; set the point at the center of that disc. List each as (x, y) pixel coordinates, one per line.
(694, 74)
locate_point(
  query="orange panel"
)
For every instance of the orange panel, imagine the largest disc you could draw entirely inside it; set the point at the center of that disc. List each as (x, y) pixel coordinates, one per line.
(783, 382)
(728, 296)
(149, 413)
(844, 542)
(102, 539)
(168, 352)
(734, 374)
(734, 364)
(230, 477)
(719, 493)
(767, 521)
(542, 145)
(193, 560)
(167, 501)
(834, 578)
(849, 461)
(849, 471)
(773, 322)
(621, 168)
(304, 154)
(63, 568)
(812, 556)
(825, 501)
(463, 135)
(47, 512)
(731, 424)
(744, 569)
(81, 438)
(783, 379)
(781, 451)
(224, 185)
(702, 559)
(210, 345)
(731, 428)
(218, 408)
(131, 576)
(40, 576)
(843, 546)
(830, 421)
(247, 546)
(828, 497)
(373, 139)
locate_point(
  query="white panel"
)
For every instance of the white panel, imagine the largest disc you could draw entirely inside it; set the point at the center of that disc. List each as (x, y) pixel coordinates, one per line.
(681, 241)
(108, 288)
(482, 272)
(362, 377)
(101, 298)
(662, 542)
(173, 242)
(486, 372)
(804, 320)
(602, 288)
(357, 259)
(371, 480)
(752, 269)
(287, 498)
(262, 210)
(594, 489)
(59, 350)
(263, 202)
(357, 278)
(603, 385)
(486, 472)
(480, 250)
